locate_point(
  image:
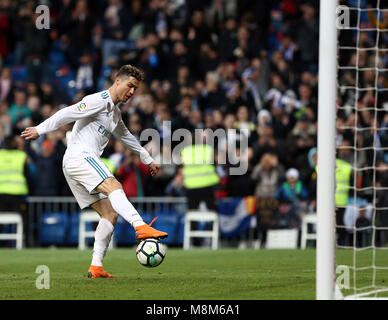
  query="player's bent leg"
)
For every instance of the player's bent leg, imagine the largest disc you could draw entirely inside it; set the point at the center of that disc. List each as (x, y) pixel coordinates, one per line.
(104, 208)
(119, 202)
(112, 188)
(108, 185)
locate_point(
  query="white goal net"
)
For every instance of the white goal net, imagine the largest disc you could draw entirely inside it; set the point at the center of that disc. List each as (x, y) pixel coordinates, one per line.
(361, 194)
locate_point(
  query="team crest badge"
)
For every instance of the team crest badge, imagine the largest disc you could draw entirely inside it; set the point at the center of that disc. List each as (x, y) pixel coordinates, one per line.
(82, 106)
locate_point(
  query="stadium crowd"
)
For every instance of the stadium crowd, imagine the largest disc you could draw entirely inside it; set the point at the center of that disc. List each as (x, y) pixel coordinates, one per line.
(209, 64)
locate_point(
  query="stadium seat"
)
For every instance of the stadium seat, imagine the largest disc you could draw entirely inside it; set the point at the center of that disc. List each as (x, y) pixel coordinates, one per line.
(201, 216)
(64, 77)
(104, 75)
(9, 60)
(124, 234)
(57, 58)
(282, 239)
(19, 74)
(307, 219)
(56, 45)
(88, 216)
(9, 218)
(53, 227)
(168, 222)
(73, 229)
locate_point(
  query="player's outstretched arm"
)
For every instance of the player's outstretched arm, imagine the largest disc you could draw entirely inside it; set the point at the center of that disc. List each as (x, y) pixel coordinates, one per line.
(58, 119)
(64, 116)
(30, 134)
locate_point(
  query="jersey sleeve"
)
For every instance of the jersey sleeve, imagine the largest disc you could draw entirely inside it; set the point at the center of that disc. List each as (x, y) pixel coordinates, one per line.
(86, 108)
(126, 137)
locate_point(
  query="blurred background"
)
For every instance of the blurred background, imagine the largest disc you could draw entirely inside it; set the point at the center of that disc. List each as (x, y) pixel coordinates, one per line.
(209, 64)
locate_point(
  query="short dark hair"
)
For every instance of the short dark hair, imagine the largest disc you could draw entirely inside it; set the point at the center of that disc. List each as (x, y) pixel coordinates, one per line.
(130, 71)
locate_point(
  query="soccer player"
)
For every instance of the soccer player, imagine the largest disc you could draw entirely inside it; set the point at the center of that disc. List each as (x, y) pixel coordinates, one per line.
(96, 118)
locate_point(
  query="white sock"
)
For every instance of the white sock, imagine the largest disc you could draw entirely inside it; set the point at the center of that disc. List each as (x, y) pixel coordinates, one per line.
(102, 238)
(124, 208)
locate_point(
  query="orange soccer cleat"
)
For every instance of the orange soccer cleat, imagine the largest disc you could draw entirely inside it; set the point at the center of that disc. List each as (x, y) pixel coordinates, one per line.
(98, 272)
(146, 231)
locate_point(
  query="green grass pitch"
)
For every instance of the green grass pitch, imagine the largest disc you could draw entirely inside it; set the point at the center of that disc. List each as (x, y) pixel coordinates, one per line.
(226, 274)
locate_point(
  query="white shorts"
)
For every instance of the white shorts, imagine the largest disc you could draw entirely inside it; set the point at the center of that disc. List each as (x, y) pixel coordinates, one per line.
(84, 173)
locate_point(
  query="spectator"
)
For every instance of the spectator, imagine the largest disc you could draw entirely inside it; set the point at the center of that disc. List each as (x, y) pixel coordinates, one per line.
(47, 165)
(299, 142)
(175, 187)
(285, 217)
(181, 83)
(267, 175)
(199, 174)
(293, 191)
(364, 227)
(13, 178)
(19, 110)
(288, 48)
(345, 151)
(197, 34)
(6, 85)
(77, 27)
(265, 143)
(230, 139)
(132, 175)
(117, 21)
(358, 209)
(212, 96)
(209, 59)
(5, 119)
(236, 97)
(305, 32)
(37, 46)
(256, 80)
(243, 123)
(85, 77)
(5, 28)
(228, 39)
(116, 24)
(167, 168)
(47, 95)
(240, 184)
(2, 136)
(118, 156)
(281, 123)
(305, 97)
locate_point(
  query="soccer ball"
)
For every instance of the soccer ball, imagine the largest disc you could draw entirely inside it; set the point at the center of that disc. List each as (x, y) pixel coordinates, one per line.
(150, 253)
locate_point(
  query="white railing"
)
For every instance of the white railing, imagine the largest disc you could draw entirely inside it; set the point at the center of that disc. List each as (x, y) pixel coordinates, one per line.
(38, 205)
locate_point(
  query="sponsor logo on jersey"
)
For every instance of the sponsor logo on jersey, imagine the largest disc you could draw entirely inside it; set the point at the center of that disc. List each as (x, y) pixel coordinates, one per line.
(105, 95)
(82, 106)
(101, 129)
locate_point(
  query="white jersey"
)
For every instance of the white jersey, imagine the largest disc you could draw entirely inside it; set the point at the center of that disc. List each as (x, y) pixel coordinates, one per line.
(96, 119)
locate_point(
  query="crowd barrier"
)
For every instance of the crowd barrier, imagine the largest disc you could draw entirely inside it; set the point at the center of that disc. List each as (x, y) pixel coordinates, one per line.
(55, 220)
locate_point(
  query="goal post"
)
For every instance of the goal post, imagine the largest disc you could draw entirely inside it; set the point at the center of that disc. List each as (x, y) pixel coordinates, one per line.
(352, 169)
(325, 252)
